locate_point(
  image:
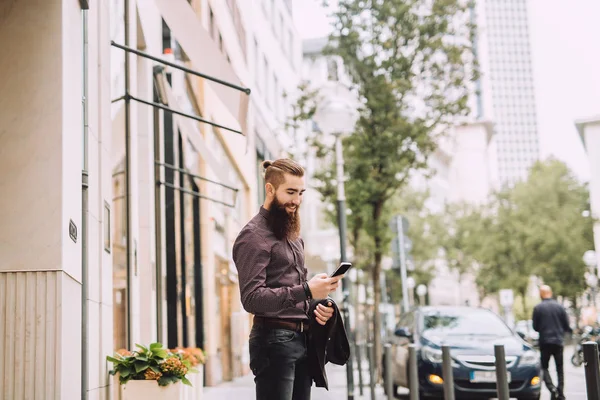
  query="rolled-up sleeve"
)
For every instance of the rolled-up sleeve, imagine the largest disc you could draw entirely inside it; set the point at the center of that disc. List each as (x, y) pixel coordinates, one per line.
(252, 255)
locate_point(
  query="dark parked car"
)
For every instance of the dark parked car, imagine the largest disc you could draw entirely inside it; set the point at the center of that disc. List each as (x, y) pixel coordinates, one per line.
(471, 334)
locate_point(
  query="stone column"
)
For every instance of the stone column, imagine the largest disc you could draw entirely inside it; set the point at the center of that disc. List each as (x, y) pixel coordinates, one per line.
(40, 186)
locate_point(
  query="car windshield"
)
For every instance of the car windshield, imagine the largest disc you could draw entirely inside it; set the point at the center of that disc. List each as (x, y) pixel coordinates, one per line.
(464, 322)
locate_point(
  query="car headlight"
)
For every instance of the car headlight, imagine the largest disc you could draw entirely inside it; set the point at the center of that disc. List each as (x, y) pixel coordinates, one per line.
(432, 355)
(530, 357)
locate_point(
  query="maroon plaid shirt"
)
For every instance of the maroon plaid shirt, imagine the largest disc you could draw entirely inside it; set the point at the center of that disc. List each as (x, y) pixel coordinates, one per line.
(271, 271)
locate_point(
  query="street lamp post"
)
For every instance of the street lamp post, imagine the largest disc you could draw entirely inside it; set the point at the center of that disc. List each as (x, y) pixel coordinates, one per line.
(341, 211)
(337, 117)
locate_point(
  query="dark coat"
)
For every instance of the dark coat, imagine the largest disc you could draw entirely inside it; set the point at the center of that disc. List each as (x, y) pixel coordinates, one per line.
(552, 322)
(326, 343)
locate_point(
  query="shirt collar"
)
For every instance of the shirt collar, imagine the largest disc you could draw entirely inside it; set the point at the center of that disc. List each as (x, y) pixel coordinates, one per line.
(264, 212)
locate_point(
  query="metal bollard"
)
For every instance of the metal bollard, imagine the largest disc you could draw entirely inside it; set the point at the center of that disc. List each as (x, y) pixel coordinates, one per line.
(447, 373)
(371, 354)
(389, 386)
(592, 377)
(358, 351)
(501, 374)
(413, 373)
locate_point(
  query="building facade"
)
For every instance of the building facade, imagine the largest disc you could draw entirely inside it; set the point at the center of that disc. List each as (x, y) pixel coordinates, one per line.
(55, 275)
(131, 151)
(589, 131)
(259, 41)
(507, 92)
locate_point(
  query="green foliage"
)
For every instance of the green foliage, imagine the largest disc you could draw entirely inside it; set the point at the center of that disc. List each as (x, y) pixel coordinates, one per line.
(459, 235)
(412, 64)
(522, 309)
(423, 233)
(407, 59)
(151, 363)
(536, 228)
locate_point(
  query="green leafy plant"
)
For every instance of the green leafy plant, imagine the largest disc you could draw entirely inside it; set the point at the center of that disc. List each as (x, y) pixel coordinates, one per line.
(151, 363)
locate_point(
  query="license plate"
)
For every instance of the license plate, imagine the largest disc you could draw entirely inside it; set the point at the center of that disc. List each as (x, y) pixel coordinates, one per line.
(485, 376)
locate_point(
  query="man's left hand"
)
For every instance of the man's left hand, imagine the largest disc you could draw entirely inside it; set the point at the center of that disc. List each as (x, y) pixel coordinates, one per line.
(323, 313)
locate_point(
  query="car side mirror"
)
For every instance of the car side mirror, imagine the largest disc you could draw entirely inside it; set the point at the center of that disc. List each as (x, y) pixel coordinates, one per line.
(403, 333)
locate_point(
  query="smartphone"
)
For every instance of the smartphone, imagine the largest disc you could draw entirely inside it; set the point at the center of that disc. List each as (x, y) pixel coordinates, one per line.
(342, 269)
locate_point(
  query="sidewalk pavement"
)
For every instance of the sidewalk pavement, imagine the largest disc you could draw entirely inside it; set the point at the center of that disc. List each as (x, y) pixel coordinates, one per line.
(243, 388)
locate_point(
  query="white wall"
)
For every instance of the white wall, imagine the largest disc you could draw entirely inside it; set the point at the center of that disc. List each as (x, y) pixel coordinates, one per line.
(590, 130)
(41, 185)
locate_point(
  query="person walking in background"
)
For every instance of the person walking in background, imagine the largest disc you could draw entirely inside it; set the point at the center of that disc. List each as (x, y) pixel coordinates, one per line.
(552, 322)
(269, 256)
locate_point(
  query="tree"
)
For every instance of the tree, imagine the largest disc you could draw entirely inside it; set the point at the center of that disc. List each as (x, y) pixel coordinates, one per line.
(412, 63)
(558, 234)
(505, 261)
(537, 228)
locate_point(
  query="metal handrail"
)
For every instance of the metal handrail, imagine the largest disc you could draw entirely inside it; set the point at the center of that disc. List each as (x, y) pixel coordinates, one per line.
(188, 173)
(194, 193)
(179, 67)
(192, 116)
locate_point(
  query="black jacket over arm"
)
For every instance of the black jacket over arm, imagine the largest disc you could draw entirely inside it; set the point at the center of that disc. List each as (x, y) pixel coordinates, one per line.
(326, 343)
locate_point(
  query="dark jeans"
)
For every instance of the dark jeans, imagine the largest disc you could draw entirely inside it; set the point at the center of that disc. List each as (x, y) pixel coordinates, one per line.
(278, 359)
(556, 351)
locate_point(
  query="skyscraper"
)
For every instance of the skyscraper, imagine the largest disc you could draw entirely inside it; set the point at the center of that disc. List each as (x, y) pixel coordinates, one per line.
(508, 92)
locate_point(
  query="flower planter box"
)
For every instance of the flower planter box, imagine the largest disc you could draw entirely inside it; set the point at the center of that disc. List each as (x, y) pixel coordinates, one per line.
(146, 390)
(195, 392)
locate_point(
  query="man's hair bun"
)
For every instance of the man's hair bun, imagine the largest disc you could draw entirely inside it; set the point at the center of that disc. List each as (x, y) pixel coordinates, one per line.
(267, 163)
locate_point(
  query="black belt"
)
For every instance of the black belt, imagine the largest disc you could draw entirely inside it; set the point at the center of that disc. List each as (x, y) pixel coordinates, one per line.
(296, 325)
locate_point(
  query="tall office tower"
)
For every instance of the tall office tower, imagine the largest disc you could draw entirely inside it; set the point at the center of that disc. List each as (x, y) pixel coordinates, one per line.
(508, 93)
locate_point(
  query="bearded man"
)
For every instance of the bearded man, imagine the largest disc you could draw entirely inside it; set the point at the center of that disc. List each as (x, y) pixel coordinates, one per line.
(269, 256)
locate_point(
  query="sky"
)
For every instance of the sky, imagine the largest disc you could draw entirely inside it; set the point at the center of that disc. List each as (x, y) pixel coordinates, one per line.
(566, 63)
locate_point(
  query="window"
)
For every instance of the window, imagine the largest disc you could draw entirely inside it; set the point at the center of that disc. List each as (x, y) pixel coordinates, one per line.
(262, 154)
(211, 23)
(256, 60)
(276, 96)
(281, 25)
(265, 75)
(291, 47)
(239, 27)
(106, 221)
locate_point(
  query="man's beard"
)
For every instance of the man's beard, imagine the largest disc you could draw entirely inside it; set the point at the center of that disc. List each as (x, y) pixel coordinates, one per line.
(283, 224)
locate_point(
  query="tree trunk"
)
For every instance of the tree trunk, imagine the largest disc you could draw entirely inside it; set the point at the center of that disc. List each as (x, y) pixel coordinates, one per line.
(377, 237)
(376, 313)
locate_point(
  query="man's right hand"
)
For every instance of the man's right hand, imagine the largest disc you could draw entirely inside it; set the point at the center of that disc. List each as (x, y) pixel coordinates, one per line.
(321, 285)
